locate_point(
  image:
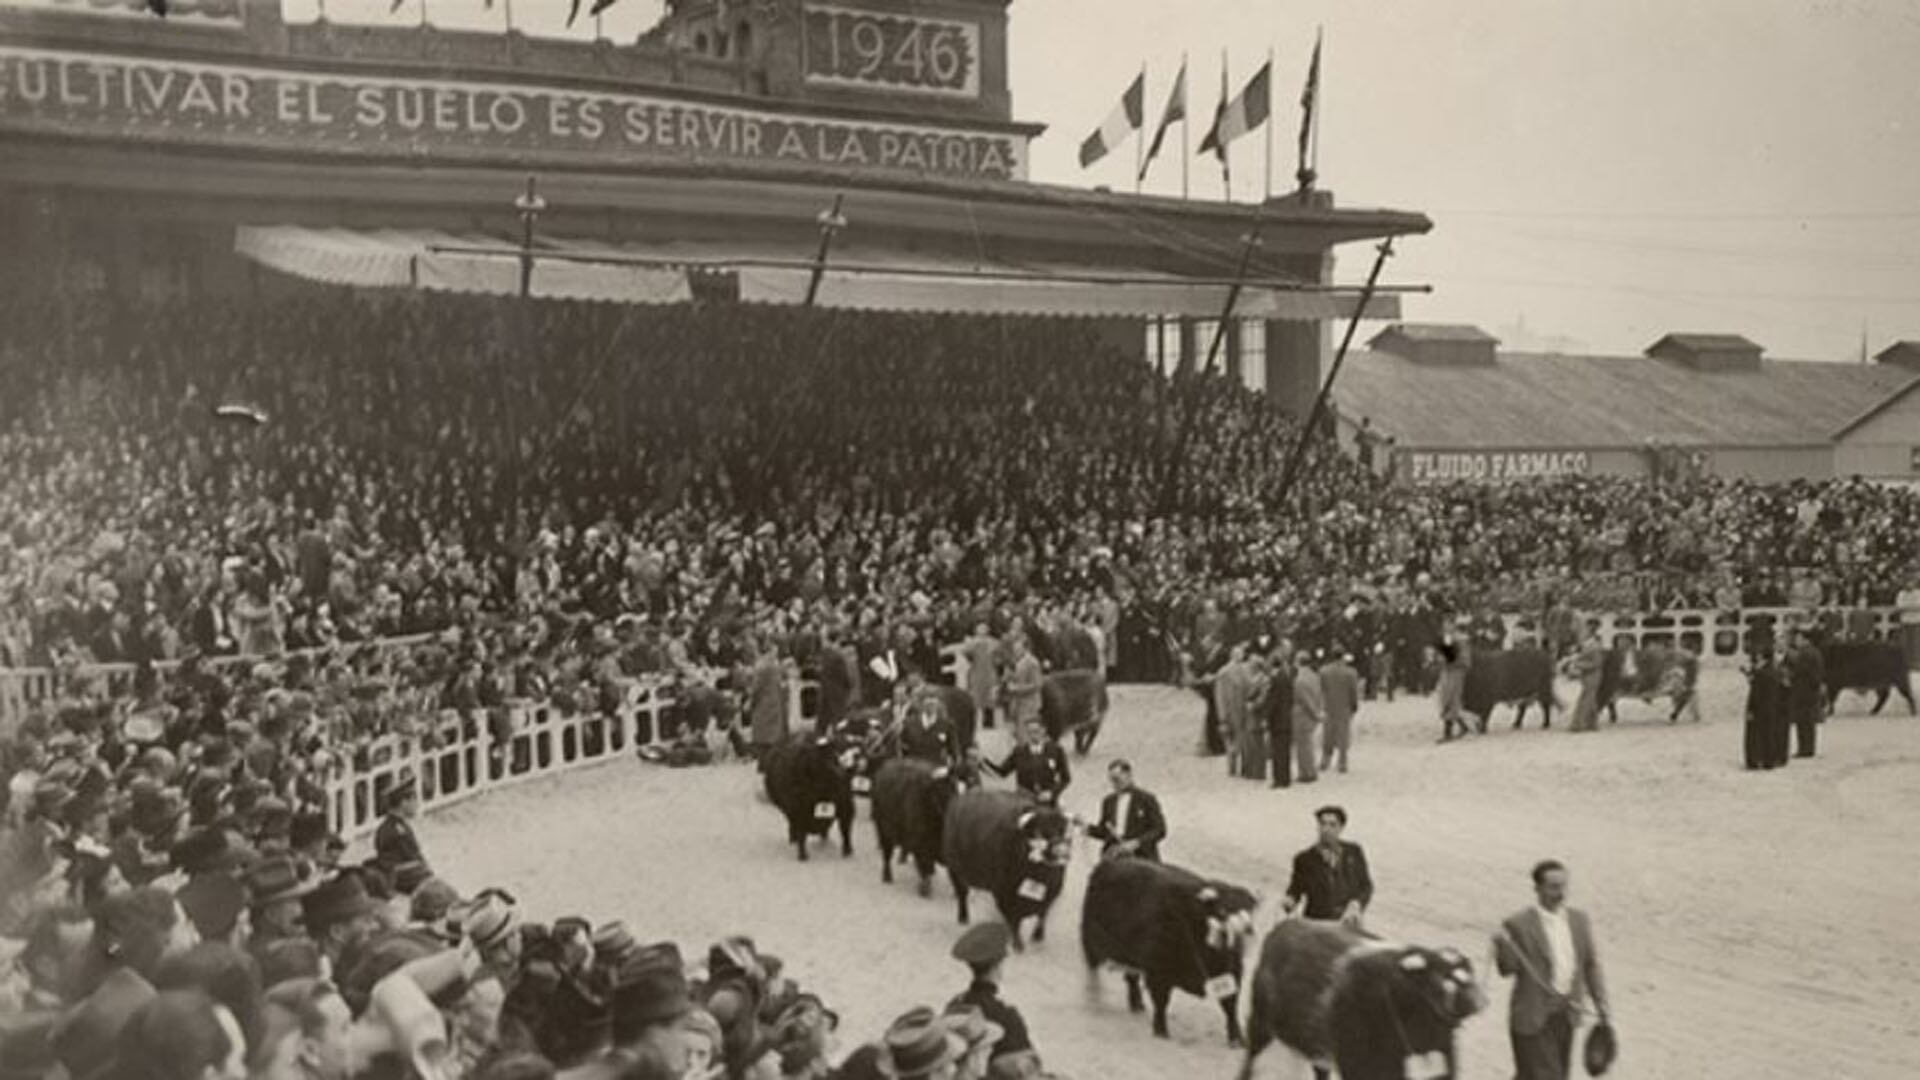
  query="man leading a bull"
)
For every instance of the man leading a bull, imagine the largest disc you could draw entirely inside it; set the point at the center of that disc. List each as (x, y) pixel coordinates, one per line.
(1330, 879)
(1131, 823)
(1549, 951)
(1806, 692)
(1038, 765)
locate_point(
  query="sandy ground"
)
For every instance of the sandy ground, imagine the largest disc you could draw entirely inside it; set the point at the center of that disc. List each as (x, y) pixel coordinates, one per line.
(1752, 925)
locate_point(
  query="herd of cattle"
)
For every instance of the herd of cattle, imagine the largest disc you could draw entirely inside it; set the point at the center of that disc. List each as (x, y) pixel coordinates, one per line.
(1523, 677)
(1335, 996)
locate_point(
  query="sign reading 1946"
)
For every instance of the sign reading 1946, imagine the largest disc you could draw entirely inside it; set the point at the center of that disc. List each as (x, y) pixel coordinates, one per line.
(847, 47)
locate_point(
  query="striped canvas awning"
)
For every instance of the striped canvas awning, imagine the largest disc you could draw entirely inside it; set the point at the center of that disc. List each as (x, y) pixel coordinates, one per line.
(854, 278)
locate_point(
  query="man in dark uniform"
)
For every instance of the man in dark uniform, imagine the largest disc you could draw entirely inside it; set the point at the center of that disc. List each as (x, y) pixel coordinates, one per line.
(393, 842)
(984, 949)
(1766, 708)
(1038, 766)
(1330, 879)
(1130, 819)
(1806, 692)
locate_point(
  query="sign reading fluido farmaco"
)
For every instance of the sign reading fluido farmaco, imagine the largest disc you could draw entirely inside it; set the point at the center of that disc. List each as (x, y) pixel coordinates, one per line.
(1493, 467)
(175, 101)
(911, 53)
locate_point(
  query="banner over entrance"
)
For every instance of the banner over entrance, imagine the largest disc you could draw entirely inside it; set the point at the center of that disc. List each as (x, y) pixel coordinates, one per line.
(192, 103)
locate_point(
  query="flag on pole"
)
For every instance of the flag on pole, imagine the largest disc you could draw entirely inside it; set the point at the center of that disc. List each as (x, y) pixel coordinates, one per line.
(1243, 113)
(1125, 120)
(1176, 110)
(394, 7)
(1307, 97)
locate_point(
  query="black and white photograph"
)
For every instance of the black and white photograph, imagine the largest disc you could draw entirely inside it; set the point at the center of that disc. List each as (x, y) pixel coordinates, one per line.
(959, 539)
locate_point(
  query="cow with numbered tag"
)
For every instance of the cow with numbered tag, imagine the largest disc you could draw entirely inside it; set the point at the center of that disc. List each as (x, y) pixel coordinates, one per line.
(1011, 845)
(1074, 702)
(1171, 928)
(910, 801)
(810, 779)
(1372, 1009)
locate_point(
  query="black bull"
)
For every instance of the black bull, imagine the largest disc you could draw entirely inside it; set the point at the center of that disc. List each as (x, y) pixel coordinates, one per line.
(1519, 677)
(1171, 927)
(1871, 667)
(809, 779)
(910, 801)
(1647, 673)
(1377, 1011)
(1010, 845)
(1074, 701)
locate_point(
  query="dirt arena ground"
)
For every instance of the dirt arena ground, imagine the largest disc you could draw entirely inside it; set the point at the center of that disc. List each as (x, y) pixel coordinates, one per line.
(1752, 925)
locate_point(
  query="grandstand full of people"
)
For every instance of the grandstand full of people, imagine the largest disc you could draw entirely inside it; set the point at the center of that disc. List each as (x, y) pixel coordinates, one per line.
(249, 540)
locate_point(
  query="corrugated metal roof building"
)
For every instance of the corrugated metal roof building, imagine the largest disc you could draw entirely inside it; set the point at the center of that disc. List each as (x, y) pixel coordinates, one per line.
(1454, 407)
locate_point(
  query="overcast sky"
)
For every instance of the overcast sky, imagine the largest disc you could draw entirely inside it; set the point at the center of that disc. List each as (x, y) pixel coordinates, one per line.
(1605, 170)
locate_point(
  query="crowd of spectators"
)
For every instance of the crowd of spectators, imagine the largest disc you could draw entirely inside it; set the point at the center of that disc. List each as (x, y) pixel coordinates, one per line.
(427, 463)
(329, 518)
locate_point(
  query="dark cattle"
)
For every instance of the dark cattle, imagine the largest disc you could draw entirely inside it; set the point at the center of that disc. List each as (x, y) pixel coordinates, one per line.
(1871, 667)
(910, 800)
(1171, 927)
(810, 779)
(1009, 845)
(1649, 673)
(1376, 1011)
(1518, 677)
(1074, 701)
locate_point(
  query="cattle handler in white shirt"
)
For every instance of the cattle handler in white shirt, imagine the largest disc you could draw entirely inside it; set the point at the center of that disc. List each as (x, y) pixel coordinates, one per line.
(1548, 950)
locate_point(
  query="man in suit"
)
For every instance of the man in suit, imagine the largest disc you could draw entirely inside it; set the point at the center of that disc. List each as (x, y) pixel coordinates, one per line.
(1330, 879)
(1806, 692)
(1309, 710)
(1130, 819)
(1340, 692)
(1276, 709)
(1022, 691)
(1038, 766)
(1548, 949)
(394, 842)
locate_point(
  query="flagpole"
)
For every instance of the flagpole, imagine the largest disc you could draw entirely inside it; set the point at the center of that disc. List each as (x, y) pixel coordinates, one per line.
(1140, 137)
(1269, 124)
(1318, 106)
(509, 13)
(1226, 151)
(1186, 136)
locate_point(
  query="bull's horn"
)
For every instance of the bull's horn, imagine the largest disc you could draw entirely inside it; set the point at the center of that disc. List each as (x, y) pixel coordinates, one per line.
(1208, 895)
(1413, 961)
(1024, 820)
(940, 773)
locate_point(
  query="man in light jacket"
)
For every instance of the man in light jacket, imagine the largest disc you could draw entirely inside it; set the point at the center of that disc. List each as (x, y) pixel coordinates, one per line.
(1548, 950)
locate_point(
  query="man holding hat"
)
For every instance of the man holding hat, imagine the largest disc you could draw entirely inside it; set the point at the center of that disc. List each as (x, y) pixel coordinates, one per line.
(984, 950)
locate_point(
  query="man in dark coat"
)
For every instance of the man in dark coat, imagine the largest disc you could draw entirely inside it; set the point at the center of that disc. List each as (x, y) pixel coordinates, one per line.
(1806, 693)
(1130, 819)
(1766, 710)
(926, 733)
(1330, 879)
(984, 950)
(393, 842)
(1038, 766)
(1277, 713)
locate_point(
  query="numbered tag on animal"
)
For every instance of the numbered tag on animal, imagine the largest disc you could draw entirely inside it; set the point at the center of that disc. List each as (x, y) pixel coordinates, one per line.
(1033, 890)
(1037, 851)
(824, 811)
(1431, 1065)
(1222, 986)
(862, 784)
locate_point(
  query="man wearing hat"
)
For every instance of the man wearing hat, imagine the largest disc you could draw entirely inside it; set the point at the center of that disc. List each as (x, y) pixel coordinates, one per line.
(27, 855)
(313, 844)
(984, 950)
(648, 1002)
(340, 916)
(144, 851)
(275, 888)
(492, 922)
(394, 843)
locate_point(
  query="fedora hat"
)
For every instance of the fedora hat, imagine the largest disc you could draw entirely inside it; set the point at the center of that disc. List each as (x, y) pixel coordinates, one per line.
(650, 988)
(277, 878)
(432, 901)
(213, 902)
(613, 943)
(339, 899)
(488, 920)
(208, 850)
(917, 1044)
(1603, 1046)
(971, 1024)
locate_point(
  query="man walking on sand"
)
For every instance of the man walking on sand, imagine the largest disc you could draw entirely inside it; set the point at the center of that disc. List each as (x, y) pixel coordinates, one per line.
(1548, 950)
(1309, 709)
(1340, 690)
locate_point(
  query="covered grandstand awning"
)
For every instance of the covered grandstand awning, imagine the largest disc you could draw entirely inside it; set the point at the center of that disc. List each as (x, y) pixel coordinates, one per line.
(855, 279)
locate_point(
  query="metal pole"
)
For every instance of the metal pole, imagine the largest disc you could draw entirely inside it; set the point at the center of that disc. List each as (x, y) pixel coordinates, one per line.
(1186, 135)
(1294, 460)
(1269, 124)
(831, 222)
(1233, 290)
(529, 206)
